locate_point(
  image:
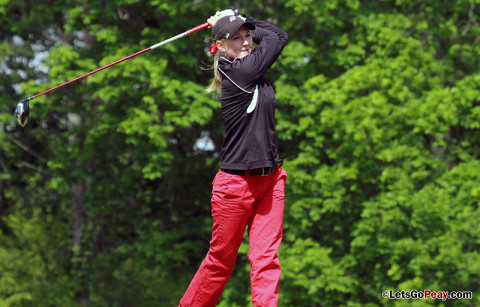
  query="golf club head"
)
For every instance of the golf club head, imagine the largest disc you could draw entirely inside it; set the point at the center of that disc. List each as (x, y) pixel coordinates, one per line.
(22, 112)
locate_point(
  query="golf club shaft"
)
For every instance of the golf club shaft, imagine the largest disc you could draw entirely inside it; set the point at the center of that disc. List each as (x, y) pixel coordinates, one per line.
(200, 27)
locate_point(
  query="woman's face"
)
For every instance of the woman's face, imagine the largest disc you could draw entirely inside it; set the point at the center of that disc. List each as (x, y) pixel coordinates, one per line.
(239, 45)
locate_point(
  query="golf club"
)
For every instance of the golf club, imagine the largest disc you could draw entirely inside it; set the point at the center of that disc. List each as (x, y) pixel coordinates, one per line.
(22, 110)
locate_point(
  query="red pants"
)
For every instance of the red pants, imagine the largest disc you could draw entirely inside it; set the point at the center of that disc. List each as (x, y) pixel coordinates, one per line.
(238, 201)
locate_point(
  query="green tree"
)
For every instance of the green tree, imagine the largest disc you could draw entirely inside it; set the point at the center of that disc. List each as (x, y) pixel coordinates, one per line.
(104, 195)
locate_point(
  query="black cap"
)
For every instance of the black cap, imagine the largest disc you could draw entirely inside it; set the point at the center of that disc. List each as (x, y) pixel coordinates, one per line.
(228, 26)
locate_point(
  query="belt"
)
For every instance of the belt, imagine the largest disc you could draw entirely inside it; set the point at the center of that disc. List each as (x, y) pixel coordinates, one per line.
(264, 171)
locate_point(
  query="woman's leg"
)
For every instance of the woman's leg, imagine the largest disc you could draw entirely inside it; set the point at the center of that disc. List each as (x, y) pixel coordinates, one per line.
(231, 209)
(265, 232)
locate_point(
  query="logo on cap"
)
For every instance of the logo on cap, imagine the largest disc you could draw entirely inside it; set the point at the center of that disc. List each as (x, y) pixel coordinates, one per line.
(232, 18)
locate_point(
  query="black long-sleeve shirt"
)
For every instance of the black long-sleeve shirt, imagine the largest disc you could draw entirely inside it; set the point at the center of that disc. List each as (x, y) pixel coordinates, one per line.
(249, 135)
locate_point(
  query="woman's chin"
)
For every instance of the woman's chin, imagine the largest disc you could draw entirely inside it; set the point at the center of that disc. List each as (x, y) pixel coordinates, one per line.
(244, 54)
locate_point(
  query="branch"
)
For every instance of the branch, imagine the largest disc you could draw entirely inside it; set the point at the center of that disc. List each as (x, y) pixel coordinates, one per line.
(4, 167)
(23, 146)
(471, 19)
(471, 15)
(30, 165)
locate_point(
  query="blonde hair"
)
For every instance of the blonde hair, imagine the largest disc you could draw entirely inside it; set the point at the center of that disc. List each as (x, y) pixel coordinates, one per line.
(216, 85)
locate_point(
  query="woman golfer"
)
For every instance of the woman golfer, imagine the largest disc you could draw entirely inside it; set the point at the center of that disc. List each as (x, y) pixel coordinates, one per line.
(248, 190)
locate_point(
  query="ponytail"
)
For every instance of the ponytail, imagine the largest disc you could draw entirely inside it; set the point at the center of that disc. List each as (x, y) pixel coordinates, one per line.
(216, 85)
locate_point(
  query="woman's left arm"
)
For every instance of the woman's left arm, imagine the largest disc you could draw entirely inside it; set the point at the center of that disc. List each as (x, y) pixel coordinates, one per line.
(282, 35)
(271, 41)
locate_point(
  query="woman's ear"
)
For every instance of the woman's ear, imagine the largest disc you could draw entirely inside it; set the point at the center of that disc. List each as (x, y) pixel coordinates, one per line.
(220, 46)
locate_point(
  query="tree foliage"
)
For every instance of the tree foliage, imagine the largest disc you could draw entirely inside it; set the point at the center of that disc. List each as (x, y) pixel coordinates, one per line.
(104, 195)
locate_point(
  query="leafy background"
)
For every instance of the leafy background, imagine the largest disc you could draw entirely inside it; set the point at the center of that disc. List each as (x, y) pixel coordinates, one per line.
(104, 195)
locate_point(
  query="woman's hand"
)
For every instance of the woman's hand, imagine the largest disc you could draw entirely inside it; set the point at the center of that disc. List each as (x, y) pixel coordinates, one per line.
(213, 19)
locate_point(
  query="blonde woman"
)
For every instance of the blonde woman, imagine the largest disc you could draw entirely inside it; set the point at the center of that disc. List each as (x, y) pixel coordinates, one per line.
(248, 190)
